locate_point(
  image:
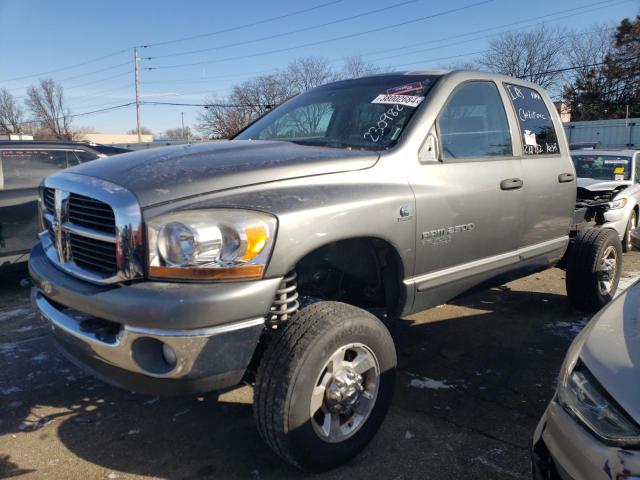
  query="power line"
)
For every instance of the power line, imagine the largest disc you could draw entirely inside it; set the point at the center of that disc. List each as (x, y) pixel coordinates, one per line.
(283, 34)
(246, 25)
(129, 72)
(102, 110)
(68, 67)
(577, 67)
(571, 11)
(320, 42)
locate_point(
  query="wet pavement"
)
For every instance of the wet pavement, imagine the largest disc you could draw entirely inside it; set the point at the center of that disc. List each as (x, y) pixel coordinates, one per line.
(474, 378)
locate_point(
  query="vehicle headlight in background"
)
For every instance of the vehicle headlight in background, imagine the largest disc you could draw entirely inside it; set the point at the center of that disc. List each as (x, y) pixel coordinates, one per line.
(617, 203)
(582, 395)
(216, 244)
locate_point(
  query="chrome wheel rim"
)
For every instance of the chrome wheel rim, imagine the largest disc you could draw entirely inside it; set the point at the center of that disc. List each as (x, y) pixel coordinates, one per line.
(633, 223)
(345, 392)
(607, 271)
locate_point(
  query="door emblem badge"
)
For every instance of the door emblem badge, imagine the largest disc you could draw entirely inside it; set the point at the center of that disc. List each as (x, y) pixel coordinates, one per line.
(444, 235)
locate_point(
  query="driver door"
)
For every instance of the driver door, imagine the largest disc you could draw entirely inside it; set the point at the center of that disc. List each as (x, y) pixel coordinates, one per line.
(469, 200)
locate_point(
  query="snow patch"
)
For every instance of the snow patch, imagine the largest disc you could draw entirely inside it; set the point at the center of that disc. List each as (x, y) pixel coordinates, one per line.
(15, 312)
(430, 384)
(10, 390)
(567, 329)
(41, 357)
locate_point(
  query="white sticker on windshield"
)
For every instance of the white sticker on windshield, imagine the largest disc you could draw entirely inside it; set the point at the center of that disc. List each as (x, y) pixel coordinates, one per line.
(408, 100)
(616, 162)
(619, 178)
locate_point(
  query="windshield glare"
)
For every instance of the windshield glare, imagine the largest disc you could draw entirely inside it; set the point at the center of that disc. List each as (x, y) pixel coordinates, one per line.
(603, 167)
(368, 113)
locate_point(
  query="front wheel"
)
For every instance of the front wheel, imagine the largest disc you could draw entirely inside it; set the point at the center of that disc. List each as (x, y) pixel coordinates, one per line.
(324, 385)
(594, 266)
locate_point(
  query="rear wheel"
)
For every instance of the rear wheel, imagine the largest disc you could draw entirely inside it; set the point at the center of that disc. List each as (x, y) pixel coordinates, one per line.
(324, 385)
(594, 265)
(627, 246)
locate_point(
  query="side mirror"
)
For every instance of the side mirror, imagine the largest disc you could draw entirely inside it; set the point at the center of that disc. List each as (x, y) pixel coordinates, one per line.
(429, 150)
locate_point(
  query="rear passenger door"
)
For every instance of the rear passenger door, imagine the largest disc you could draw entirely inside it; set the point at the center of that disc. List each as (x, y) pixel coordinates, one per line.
(549, 175)
(22, 171)
(469, 200)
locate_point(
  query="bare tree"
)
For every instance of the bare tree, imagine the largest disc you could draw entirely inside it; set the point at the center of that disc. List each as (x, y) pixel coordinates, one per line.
(587, 48)
(10, 113)
(306, 73)
(533, 55)
(46, 103)
(463, 65)
(219, 121)
(224, 117)
(143, 131)
(178, 133)
(355, 66)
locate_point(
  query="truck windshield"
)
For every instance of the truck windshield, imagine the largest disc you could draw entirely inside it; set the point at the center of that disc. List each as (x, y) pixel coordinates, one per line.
(367, 113)
(603, 167)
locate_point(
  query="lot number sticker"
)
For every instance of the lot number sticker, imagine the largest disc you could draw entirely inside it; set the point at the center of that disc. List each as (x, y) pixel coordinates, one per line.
(407, 100)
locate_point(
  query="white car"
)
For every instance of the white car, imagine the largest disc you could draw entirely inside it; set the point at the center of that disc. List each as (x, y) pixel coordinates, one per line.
(591, 428)
(613, 176)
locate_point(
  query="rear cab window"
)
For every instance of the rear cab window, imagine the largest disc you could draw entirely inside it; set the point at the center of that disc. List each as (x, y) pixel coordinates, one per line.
(537, 131)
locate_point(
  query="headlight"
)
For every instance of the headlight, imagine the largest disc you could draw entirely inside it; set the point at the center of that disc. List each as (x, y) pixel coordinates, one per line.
(617, 203)
(210, 244)
(582, 395)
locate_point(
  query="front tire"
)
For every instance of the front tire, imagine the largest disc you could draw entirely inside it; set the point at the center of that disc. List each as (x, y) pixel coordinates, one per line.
(627, 246)
(325, 385)
(594, 266)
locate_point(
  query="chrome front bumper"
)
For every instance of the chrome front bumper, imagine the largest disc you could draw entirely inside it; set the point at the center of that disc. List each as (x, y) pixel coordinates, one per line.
(151, 337)
(133, 349)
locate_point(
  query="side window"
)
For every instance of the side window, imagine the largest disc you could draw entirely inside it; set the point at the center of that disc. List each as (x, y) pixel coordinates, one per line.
(82, 157)
(536, 126)
(72, 158)
(27, 168)
(474, 123)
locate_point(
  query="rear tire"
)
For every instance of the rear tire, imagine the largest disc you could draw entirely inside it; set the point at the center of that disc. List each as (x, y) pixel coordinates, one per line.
(627, 246)
(594, 265)
(330, 357)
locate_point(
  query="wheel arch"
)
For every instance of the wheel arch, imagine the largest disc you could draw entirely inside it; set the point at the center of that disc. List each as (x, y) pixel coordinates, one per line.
(364, 271)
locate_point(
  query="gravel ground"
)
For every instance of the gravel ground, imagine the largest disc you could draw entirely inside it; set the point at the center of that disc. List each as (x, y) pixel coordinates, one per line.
(470, 391)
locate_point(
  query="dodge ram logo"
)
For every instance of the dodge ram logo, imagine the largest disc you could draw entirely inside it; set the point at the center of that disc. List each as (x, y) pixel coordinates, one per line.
(443, 235)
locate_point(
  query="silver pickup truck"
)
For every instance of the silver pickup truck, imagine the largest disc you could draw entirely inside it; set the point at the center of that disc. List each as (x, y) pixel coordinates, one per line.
(280, 257)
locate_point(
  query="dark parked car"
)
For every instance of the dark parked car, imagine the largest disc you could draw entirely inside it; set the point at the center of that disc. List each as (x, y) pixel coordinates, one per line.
(23, 165)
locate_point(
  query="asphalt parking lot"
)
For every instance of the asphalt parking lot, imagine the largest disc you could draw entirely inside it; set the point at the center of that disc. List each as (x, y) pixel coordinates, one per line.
(470, 392)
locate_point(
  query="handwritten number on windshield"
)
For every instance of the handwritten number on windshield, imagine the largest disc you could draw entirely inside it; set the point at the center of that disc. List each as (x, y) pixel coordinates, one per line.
(376, 132)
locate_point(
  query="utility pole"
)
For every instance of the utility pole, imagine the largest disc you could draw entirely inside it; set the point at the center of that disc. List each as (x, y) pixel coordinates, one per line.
(137, 77)
(182, 113)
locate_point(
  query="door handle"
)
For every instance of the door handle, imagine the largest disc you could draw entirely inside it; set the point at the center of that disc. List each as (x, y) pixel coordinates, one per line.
(511, 184)
(566, 177)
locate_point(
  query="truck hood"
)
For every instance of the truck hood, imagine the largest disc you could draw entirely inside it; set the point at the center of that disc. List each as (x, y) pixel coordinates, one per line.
(171, 173)
(595, 185)
(612, 350)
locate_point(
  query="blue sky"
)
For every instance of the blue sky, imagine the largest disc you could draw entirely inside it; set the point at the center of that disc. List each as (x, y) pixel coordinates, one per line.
(40, 36)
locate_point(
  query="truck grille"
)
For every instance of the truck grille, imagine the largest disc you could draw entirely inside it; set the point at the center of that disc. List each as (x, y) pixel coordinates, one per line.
(93, 228)
(92, 254)
(49, 200)
(90, 213)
